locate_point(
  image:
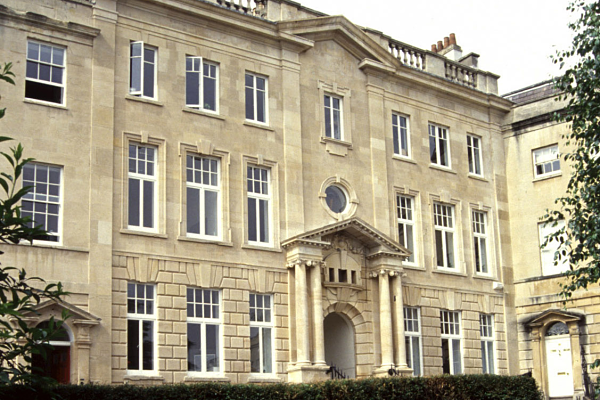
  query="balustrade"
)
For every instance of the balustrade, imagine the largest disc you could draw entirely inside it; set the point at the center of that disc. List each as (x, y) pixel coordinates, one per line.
(244, 6)
(460, 74)
(407, 55)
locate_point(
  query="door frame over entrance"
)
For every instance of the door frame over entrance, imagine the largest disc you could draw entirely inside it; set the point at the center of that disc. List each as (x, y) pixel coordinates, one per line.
(538, 326)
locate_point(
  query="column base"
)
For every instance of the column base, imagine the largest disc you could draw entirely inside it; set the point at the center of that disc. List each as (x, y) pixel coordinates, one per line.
(308, 373)
(389, 371)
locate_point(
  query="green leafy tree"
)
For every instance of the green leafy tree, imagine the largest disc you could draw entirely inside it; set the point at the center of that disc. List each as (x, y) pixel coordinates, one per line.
(18, 298)
(580, 206)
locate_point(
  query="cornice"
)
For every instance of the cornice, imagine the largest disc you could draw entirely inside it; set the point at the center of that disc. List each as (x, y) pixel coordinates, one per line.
(47, 23)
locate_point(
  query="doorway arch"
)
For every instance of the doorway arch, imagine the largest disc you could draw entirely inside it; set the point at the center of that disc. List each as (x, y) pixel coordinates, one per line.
(57, 363)
(339, 344)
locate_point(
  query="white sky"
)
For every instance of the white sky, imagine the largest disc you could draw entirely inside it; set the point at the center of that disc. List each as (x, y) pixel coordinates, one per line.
(514, 38)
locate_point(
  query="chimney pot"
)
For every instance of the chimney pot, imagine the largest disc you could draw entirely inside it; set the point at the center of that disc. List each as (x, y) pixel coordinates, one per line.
(452, 38)
(434, 48)
(446, 41)
(439, 45)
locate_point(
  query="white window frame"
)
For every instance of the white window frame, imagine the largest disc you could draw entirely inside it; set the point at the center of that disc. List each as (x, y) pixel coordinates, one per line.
(142, 89)
(405, 213)
(34, 196)
(330, 111)
(141, 318)
(143, 177)
(486, 332)
(450, 324)
(203, 188)
(479, 225)
(412, 332)
(439, 137)
(202, 322)
(262, 326)
(475, 155)
(444, 221)
(202, 77)
(548, 253)
(544, 157)
(254, 90)
(52, 65)
(258, 197)
(401, 135)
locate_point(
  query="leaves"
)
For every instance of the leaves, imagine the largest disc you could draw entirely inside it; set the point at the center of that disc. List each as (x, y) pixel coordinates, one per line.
(580, 206)
(20, 294)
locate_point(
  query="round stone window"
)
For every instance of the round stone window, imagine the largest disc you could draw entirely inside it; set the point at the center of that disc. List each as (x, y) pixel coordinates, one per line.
(336, 199)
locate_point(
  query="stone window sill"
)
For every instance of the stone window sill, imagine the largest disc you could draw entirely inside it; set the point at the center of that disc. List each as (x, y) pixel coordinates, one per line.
(259, 125)
(144, 100)
(208, 241)
(443, 169)
(203, 113)
(143, 233)
(46, 104)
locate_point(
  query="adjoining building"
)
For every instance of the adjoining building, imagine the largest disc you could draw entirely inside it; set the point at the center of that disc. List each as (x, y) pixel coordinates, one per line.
(253, 191)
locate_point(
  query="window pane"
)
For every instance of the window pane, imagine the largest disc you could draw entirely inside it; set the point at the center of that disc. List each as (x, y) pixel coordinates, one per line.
(134, 202)
(490, 354)
(194, 347)
(33, 51)
(254, 350)
(439, 249)
(410, 242)
(443, 153)
(432, 150)
(210, 213)
(267, 357)
(484, 360)
(328, 121)
(193, 210)
(192, 87)
(57, 74)
(148, 78)
(456, 361)
(44, 72)
(337, 130)
(416, 349)
(408, 351)
(249, 102)
(252, 228)
(133, 338)
(396, 139)
(450, 249)
(264, 221)
(484, 266)
(45, 53)
(212, 348)
(210, 94)
(135, 75)
(260, 107)
(148, 204)
(445, 357)
(148, 350)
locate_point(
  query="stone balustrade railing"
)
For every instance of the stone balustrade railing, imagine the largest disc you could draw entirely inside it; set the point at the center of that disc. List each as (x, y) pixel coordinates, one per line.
(459, 73)
(408, 55)
(244, 6)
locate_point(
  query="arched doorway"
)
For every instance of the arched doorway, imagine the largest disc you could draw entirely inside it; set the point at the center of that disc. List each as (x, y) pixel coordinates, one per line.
(339, 344)
(57, 364)
(559, 363)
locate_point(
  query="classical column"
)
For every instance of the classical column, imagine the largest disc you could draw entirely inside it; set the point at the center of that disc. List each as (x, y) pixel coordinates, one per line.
(302, 322)
(385, 321)
(400, 356)
(318, 334)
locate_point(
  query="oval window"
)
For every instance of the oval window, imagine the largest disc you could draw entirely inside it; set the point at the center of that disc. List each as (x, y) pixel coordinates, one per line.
(336, 199)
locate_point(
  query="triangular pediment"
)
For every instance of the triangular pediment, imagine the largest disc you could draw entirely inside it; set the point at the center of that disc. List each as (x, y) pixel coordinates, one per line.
(342, 31)
(551, 316)
(355, 228)
(55, 308)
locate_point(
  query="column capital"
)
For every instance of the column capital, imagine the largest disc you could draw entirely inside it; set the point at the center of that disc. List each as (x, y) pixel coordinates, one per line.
(308, 263)
(387, 271)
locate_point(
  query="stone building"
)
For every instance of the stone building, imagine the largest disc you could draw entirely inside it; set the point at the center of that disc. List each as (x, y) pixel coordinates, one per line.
(253, 191)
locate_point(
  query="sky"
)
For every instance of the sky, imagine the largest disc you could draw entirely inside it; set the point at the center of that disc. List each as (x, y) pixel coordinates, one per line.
(514, 38)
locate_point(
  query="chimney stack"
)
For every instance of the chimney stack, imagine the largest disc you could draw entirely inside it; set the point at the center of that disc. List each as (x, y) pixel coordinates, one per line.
(448, 48)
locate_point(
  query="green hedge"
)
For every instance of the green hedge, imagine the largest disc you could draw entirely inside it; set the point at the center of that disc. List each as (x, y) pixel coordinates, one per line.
(446, 387)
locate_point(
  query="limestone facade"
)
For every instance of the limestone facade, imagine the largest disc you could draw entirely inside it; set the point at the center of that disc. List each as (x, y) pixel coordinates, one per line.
(355, 188)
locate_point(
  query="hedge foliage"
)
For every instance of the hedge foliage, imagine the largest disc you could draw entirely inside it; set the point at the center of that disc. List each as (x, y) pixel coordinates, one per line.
(445, 387)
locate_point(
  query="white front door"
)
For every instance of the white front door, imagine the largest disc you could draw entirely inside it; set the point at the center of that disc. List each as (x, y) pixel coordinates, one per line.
(560, 366)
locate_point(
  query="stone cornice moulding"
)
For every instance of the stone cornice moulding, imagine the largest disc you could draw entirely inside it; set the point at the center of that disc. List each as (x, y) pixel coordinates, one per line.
(51, 24)
(226, 17)
(436, 83)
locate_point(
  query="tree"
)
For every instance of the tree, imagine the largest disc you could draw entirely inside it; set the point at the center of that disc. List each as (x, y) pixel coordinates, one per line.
(18, 298)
